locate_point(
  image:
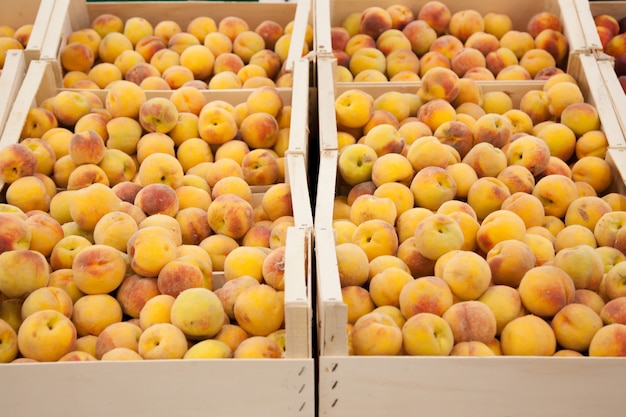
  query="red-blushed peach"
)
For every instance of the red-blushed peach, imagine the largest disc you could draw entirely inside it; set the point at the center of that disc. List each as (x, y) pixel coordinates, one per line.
(15, 233)
(545, 290)
(493, 128)
(150, 249)
(134, 292)
(122, 334)
(471, 320)
(376, 334)
(486, 159)
(439, 83)
(472, 348)
(456, 134)
(374, 21)
(437, 14)
(613, 311)
(591, 299)
(99, 269)
(509, 260)
(529, 151)
(273, 268)
(486, 195)
(427, 334)
(608, 341)
(575, 325)
(420, 35)
(543, 20)
(22, 272)
(258, 347)
(608, 229)
(528, 335)
(613, 283)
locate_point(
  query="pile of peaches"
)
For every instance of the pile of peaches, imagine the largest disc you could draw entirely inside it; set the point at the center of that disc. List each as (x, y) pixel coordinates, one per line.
(145, 228)
(465, 225)
(612, 34)
(206, 54)
(13, 38)
(396, 44)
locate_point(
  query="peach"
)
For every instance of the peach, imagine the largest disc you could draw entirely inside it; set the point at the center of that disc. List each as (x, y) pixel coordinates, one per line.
(471, 320)
(467, 274)
(439, 83)
(134, 292)
(376, 237)
(95, 312)
(259, 310)
(77, 56)
(46, 336)
(385, 287)
(427, 334)
(575, 325)
(198, 312)
(611, 311)
(15, 233)
(465, 59)
(464, 23)
(432, 186)
(528, 335)
(258, 347)
(505, 303)
(99, 269)
(556, 192)
(118, 335)
(496, 61)
(47, 298)
(544, 20)
(438, 234)
(545, 290)
(608, 341)
(376, 334)
(591, 143)
(22, 272)
(162, 341)
(156, 310)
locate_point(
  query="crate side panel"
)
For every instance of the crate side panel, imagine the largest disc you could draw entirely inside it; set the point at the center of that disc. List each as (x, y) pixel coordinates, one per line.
(485, 387)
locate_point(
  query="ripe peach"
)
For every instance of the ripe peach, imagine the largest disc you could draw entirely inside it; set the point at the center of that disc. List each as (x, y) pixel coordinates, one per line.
(427, 334)
(545, 290)
(528, 335)
(471, 320)
(608, 341)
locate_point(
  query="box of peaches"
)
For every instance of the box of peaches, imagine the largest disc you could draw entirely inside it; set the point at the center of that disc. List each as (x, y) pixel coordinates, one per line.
(604, 27)
(468, 258)
(153, 238)
(22, 32)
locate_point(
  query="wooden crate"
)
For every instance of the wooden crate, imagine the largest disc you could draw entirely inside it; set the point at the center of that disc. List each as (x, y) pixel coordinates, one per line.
(584, 67)
(587, 10)
(10, 82)
(617, 9)
(35, 12)
(283, 387)
(450, 386)
(70, 15)
(330, 13)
